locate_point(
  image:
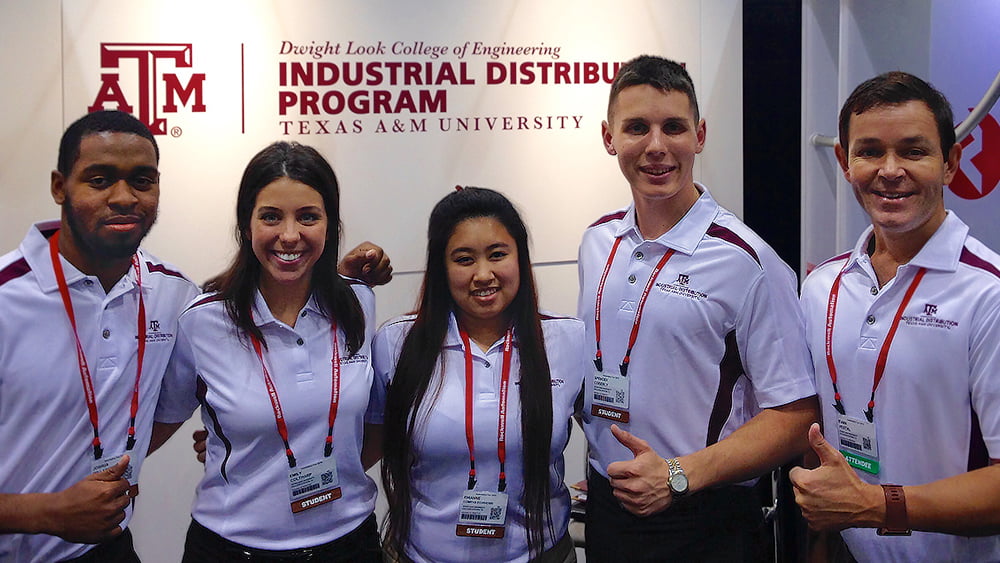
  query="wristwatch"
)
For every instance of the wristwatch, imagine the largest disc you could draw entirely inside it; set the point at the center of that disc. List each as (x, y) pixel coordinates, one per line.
(677, 481)
(896, 521)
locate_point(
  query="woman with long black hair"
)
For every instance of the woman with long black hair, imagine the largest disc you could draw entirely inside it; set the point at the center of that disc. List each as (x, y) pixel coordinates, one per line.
(480, 391)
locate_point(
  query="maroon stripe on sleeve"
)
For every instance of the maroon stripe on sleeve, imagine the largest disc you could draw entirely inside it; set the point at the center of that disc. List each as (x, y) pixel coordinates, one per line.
(607, 218)
(971, 259)
(834, 259)
(730, 370)
(205, 301)
(14, 271)
(725, 234)
(979, 456)
(161, 269)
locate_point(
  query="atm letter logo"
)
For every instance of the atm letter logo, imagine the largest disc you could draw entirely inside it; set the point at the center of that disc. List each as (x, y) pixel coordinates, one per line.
(150, 58)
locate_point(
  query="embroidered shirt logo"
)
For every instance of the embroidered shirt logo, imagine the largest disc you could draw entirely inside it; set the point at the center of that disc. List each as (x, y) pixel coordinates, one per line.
(929, 318)
(155, 334)
(681, 287)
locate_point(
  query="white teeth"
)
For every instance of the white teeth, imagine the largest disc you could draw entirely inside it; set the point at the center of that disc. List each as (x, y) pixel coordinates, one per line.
(484, 292)
(890, 196)
(288, 257)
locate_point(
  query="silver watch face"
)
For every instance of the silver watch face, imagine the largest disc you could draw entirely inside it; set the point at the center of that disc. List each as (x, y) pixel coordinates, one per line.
(679, 483)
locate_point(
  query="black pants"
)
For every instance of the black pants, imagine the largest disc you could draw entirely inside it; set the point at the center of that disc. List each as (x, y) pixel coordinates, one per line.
(723, 524)
(117, 550)
(360, 545)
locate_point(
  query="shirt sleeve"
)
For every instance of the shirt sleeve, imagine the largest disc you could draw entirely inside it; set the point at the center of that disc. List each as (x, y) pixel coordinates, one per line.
(984, 365)
(178, 394)
(385, 352)
(771, 336)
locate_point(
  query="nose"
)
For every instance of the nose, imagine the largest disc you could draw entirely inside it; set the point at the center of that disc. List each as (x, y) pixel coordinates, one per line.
(892, 167)
(289, 233)
(121, 195)
(657, 142)
(483, 273)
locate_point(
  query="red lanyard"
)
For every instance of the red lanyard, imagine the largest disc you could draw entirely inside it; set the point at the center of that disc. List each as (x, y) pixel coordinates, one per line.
(831, 313)
(598, 362)
(272, 393)
(88, 382)
(508, 342)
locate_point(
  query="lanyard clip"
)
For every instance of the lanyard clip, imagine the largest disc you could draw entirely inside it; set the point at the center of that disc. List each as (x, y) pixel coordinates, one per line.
(598, 363)
(624, 368)
(870, 414)
(472, 482)
(98, 451)
(291, 458)
(840, 407)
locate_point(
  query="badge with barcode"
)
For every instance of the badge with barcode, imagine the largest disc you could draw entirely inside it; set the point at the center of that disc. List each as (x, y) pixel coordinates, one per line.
(858, 443)
(482, 514)
(98, 465)
(610, 398)
(313, 485)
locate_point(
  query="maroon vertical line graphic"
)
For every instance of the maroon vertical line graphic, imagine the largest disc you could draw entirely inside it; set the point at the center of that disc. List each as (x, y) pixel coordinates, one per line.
(243, 89)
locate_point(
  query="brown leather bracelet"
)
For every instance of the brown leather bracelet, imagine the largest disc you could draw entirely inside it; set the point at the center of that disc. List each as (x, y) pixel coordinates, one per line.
(896, 521)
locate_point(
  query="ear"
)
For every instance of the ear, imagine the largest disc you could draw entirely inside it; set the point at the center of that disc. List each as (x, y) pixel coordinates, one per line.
(952, 162)
(58, 187)
(607, 138)
(841, 159)
(701, 131)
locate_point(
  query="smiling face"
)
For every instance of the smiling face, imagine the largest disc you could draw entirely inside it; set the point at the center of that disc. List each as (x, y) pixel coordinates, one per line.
(895, 164)
(481, 262)
(655, 137)
(109, 200)
(288, 229)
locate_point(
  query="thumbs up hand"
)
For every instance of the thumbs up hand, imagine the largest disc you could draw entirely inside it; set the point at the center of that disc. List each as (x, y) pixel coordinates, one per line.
(91, 510)
(639, 484)
(832, 496)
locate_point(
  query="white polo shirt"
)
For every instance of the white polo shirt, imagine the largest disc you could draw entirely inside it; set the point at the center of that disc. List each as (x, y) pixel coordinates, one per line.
(937, 408)
(244, 495)
(45, 428)
(720, 338)
(441, 468)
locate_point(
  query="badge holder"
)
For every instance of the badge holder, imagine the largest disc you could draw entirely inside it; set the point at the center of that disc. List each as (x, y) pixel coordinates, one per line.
(313, 485)
(858, 443)
(610, 396)
(483, 514)
(98, 465)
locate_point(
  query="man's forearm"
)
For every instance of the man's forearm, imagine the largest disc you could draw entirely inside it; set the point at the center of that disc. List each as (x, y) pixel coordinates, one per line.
(966, 504)
(773, 437)
(22, 513)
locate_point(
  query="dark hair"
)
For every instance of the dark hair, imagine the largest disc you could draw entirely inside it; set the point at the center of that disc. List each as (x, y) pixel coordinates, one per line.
(894, 88)
(658, 72)
(112, 121)
(238, 284)
(421, 350)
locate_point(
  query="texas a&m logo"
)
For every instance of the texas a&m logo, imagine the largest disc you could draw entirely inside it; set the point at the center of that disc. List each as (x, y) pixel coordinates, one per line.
(929, 309)
(149, 60)
(979, 172)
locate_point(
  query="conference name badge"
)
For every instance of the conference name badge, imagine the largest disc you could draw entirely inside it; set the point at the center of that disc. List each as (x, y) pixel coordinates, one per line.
(313, 485)
(858, 443)
(98, 465)
(610, 396)
(482, 514)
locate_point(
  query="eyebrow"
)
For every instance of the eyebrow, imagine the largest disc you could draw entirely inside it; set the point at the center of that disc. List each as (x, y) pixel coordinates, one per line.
(106, 168)
(470, 249)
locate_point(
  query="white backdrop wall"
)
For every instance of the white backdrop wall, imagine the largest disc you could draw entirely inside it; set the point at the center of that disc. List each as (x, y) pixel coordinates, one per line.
(951, 43)
(560, 177)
